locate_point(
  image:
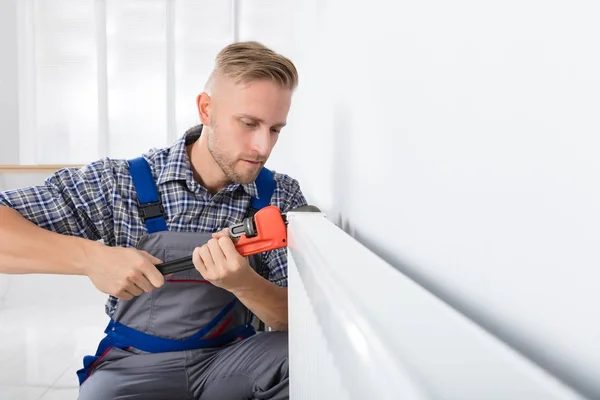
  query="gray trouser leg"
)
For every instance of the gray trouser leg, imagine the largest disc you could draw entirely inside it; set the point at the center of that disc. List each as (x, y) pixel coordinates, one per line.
(123, 375)
(256, 368)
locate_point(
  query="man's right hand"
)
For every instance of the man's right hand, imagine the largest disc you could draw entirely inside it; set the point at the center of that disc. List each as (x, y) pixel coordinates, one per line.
(123, 272)
(25, 248)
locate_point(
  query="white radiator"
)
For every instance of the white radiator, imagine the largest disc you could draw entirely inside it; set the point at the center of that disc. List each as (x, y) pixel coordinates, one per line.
(359, 329)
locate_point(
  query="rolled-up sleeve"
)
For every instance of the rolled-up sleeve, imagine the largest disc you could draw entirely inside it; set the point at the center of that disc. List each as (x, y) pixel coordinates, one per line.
(72, 201)
(287, 196)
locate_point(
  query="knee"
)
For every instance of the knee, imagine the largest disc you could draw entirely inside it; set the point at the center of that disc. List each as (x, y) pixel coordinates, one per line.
(277, 345)
(273, 380)
(278, 340)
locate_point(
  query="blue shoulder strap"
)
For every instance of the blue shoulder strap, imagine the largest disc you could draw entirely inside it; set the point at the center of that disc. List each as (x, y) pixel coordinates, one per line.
(149, 204)
(265, 185)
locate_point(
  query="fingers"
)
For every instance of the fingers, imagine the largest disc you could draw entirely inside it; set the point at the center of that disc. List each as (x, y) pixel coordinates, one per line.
(129, 285)
(150, 257)
(137, 282)
(124, 295)
(126, 273)
(210, 260)
(134, 290)
(221, 233)
(228, 248)
(207, 259)
(219, 262)
(217, 255)
(143, 283)
(151, 273)
(154, 276)
(198, 263)
(134, 286)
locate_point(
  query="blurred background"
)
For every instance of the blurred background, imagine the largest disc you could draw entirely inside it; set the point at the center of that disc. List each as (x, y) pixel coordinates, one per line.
(457, 141)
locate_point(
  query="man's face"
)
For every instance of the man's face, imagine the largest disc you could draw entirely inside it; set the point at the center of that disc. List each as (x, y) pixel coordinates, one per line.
(245, 121)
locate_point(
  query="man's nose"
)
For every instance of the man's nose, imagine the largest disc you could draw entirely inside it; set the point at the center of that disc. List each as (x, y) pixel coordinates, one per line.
(261, 141)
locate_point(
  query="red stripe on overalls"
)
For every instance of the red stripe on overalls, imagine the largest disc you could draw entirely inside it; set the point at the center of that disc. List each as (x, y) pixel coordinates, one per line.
(221, 328)
(98, 360)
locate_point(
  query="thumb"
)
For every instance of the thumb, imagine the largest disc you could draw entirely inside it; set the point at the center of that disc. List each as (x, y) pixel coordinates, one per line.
(151, 258)
(221, 233)
(152, 273)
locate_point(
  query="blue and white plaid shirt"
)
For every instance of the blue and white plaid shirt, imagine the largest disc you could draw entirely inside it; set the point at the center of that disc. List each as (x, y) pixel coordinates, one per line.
(98, 202)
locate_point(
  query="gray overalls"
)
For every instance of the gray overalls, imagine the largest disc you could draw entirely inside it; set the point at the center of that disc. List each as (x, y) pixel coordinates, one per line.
(187, 339)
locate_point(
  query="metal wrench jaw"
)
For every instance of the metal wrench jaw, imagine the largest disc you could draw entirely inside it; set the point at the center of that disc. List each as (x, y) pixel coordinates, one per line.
(246, 227)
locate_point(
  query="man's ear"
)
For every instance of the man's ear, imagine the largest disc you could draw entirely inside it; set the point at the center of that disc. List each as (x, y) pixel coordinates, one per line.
(204, 108)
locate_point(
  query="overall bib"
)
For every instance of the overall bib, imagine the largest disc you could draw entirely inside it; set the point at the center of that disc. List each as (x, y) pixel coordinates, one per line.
(187, 339)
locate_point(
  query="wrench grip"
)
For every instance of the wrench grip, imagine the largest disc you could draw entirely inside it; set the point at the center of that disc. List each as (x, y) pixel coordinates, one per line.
(178, 265)
(270, 234)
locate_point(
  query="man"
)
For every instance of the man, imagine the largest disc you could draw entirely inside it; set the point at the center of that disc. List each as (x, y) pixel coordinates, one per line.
(189, 335)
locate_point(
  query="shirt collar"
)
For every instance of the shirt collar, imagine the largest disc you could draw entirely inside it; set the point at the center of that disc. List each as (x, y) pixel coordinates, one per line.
(178, 167)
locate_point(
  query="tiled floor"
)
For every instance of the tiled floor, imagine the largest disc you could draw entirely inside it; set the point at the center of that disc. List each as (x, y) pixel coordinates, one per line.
(41, 348)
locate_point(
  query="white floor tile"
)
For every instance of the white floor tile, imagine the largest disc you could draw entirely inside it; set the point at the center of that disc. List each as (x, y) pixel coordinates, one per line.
(69, 378)
(21, 392)
(60, 394)
(43, 347)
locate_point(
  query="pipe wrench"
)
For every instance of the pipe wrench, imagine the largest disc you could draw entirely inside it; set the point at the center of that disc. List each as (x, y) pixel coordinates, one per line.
(264, 231)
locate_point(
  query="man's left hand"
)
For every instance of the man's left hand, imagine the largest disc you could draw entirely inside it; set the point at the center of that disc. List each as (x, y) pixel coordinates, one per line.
(219, 262)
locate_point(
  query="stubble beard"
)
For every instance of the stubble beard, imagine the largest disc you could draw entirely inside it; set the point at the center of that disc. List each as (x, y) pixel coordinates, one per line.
(227, 165)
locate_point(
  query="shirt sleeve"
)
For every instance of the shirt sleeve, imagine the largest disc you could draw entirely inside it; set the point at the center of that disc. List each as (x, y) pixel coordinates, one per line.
(287, 196)
(72, 201)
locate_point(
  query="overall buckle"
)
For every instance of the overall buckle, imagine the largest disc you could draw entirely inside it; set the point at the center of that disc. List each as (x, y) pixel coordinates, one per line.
(151, 210)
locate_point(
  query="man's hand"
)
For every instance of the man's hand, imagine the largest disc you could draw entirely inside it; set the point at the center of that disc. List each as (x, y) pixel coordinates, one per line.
(219, 262)
(123, 272)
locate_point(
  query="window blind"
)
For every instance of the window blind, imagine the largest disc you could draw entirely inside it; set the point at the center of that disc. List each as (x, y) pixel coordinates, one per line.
(113, 77)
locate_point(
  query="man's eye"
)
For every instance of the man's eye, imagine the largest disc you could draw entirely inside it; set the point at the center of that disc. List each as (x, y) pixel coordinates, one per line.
(275, 130)
(250, 124)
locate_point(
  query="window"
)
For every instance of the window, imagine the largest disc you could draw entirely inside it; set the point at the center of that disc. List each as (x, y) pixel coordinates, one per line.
(114, 77)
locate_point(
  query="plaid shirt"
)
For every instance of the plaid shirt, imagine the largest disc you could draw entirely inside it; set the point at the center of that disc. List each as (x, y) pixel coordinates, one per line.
(98, 202)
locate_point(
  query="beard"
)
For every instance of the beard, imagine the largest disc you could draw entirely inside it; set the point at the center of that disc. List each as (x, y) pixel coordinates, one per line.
(243, 174)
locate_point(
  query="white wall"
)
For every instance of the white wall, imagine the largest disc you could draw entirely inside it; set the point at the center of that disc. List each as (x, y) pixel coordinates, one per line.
(459, 140)
(9, 116)
(9, 112)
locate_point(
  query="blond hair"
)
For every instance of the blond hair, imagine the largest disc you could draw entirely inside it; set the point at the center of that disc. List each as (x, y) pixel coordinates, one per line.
(250, 61)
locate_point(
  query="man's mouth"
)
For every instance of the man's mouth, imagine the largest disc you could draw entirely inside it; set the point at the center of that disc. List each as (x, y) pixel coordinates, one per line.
(254, 163)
